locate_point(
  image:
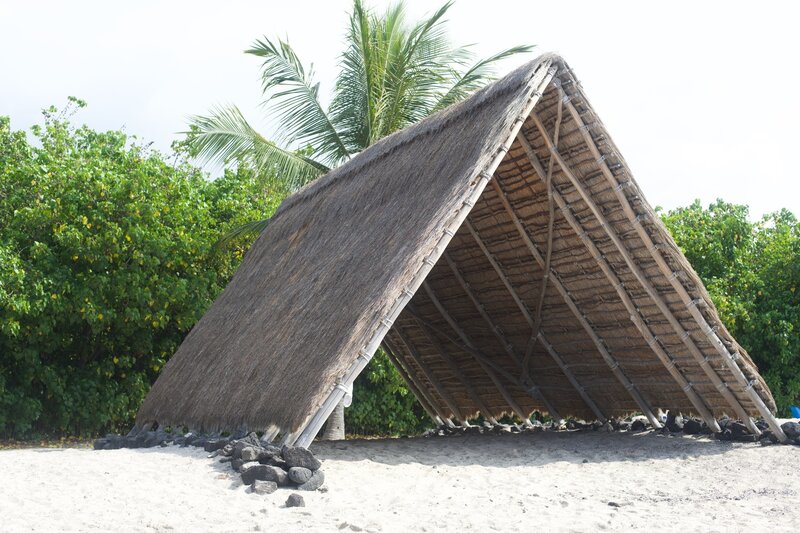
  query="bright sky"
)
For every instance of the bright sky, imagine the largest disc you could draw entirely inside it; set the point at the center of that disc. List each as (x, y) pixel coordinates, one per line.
(699, 96)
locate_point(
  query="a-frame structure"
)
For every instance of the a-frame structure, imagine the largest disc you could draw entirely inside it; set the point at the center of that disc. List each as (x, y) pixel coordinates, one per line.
(502, 254)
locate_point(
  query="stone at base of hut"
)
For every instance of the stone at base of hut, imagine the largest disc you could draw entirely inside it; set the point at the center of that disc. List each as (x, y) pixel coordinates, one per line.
(692, 426)
(792, 429)
(249, 454)
(300, 475)
(674, 422)
(265, 473)
(236, 464)
(264, 487)
(316, 481)
(296, 456)
(295, 500)
(638, 425)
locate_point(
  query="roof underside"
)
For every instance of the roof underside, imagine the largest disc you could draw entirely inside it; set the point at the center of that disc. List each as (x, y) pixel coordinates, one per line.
(620, 324)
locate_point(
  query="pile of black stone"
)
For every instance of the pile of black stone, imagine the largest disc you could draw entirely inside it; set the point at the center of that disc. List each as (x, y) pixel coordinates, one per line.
(262, 464)
(675, 424)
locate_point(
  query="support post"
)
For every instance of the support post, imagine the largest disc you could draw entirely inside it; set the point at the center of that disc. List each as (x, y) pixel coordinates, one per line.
(443, 394)
(456, 371)
(465, 339)
(422, 397)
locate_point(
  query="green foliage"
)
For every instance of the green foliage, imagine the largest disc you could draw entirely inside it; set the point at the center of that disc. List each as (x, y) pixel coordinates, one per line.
(752, 272)
(392, 74)
(105, 265)
(382, 405)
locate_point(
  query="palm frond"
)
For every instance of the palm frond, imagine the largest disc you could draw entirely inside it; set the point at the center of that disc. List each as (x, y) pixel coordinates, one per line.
(293, 96)
(225, 136)
(476, 76)
(351, 109)
(249, 229)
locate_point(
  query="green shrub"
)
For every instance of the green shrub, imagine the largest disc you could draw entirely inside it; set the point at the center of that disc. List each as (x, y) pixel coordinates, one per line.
(752, 272)
(105, 265)
(382, 404)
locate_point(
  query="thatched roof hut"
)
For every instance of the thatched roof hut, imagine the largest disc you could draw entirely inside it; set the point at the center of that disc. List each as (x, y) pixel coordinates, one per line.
(505, 257)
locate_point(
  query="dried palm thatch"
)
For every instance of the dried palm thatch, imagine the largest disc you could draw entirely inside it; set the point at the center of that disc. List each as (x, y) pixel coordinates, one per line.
(504, 256)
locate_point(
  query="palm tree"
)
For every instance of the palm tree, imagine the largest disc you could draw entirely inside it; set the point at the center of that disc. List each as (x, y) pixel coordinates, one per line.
(392, 75)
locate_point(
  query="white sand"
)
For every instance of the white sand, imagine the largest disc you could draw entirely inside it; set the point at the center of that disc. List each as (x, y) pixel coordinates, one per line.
(542, 481)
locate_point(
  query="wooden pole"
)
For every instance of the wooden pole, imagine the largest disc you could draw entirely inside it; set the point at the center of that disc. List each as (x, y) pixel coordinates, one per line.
(456, 371)
(535, 390)
(633, 310)
(422, 397)
(677, 284)
(607, 357)
(466, 340)
(440, 390)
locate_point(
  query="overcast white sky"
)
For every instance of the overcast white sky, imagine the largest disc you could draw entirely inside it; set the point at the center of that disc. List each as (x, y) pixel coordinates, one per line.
(700, 97)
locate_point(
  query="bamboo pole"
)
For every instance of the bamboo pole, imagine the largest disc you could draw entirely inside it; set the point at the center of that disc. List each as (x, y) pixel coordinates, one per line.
(676, 283)
(466, 340)
(633, 310)
(535, 390)
(607, 357)
(443, 394)
(422, 397)
(644, 281)
(311, 426)
(456, 371)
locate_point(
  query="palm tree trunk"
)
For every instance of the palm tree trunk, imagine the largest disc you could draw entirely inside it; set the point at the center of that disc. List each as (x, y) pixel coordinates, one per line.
(334, 428)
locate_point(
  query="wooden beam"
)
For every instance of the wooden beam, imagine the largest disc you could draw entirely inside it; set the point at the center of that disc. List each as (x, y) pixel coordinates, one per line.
(683, 293)
(633, 310)
(428, 372)
(646, 284)
(422, 397)
(535, 390)
(613, 364)
(454, 369)
(466, 340)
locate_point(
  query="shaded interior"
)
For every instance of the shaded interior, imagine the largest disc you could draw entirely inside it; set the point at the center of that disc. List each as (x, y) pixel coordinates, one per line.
(485, 335)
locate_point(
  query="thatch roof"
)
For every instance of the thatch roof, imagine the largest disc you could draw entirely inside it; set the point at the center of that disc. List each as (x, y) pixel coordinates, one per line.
(453, 214)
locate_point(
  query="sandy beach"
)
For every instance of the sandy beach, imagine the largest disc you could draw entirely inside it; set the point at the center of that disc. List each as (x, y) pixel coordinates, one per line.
(539, 481)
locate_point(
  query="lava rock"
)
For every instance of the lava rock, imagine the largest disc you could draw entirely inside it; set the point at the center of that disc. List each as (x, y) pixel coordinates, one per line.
(238, 448)
(792, 429)
(692, 427)
(296, 456)
(300, 475)
(762, 425)
(226, 459)
(316, 481)
(249, 454)
(674, 422)
(738, 430)
(264, 487)
(227, 450)
(295, 500)
(607, 427)
(213, 445)
(236, 464)
(265, 473)
(638, 425)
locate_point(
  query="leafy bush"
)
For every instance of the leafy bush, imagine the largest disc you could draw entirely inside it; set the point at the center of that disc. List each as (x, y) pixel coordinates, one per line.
(752, 272)
(382, 404)
(105, 265)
